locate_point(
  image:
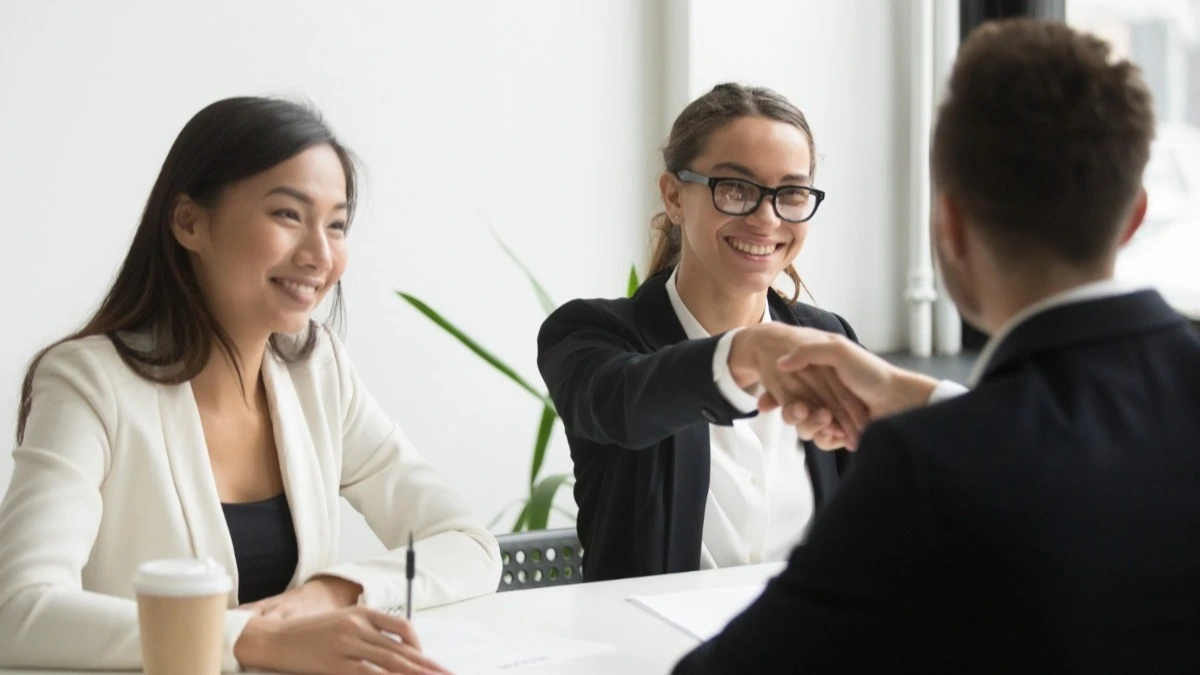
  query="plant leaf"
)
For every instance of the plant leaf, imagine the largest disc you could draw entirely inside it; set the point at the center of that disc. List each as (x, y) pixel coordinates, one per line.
(543, 297)
(520, 524)
(545, 426)
(633, 281)
(467, 342)
(541, 499)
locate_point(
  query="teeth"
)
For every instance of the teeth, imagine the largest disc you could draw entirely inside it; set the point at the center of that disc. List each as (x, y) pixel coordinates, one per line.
(752, 249)
(299, 288)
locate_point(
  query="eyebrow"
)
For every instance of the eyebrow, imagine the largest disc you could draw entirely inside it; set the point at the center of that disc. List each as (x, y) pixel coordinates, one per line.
(300, 196)
(738, 168)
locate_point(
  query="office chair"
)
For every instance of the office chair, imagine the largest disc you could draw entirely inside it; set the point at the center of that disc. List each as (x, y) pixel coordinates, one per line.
(540, 558)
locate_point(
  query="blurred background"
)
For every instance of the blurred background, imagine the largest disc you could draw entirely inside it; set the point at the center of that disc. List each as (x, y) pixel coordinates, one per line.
(539, 121)
(1163, 37)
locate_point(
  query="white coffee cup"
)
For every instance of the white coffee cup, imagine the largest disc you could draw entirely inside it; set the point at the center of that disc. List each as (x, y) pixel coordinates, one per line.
(181, 614)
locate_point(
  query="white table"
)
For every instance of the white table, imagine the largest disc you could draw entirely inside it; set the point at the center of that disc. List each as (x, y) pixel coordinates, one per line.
(601, 612)
(596, 612)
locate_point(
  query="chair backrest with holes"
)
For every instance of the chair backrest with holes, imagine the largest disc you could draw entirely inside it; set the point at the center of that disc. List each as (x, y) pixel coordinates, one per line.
(540, 558)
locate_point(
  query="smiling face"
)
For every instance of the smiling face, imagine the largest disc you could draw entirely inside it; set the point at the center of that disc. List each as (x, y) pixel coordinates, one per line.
(272, 246)
(741, 254)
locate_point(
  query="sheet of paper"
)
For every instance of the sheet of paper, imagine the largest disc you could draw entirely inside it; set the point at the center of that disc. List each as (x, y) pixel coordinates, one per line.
(701, 613)
(466, 649)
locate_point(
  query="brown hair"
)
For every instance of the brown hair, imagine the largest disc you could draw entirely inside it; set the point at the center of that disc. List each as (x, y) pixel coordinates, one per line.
(155, 291)
(1043, 139)
(689, 135)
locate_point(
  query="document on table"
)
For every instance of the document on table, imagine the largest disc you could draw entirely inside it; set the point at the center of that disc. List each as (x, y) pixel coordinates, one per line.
(465, 649)
(701, 613)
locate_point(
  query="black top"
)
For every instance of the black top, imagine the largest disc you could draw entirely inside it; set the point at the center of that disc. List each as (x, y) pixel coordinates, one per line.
(636, 398)
(1046, 522)
(264, 545)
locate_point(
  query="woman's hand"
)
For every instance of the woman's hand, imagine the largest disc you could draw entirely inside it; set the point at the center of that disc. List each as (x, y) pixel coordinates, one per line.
(883, 388)
(349, 641)
(813, 394)
(317, 596)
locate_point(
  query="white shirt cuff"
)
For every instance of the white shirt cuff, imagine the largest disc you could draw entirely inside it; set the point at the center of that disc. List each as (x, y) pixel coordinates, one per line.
(739, 398)
(945, 390)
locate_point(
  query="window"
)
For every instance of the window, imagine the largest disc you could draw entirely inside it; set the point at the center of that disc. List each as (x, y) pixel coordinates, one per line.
(1163, 38)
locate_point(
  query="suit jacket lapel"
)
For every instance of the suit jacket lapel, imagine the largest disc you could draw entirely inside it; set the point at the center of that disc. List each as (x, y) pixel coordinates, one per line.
(656, 319)
(299, 465)
(191, 471)
(688, 471)
(822, 465)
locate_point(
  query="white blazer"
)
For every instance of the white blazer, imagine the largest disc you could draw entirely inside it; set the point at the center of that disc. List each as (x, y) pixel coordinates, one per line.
(114, 471)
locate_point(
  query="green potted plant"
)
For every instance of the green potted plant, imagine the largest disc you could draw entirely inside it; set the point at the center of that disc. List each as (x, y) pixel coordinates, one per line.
(539, 502)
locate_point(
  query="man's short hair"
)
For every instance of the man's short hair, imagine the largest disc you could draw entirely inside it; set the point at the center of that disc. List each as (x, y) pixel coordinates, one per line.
(1042, 139)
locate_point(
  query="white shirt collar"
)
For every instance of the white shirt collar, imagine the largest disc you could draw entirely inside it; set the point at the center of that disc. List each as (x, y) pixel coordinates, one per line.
(1105, 288)
(760, 496)
(691, 326)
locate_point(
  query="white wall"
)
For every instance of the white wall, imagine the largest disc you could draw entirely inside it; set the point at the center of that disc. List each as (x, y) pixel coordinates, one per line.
(844, 63)
(514, 115)
(452, 101)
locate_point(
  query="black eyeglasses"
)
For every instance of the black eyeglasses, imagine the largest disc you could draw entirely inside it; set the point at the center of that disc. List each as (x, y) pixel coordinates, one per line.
(737, 197)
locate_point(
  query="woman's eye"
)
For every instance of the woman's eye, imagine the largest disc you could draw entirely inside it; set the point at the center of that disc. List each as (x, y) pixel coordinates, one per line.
(290, 214)
(793, 197)
(339, 225)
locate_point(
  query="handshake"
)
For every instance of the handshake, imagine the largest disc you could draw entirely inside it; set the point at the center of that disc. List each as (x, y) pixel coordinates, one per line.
(828, 386)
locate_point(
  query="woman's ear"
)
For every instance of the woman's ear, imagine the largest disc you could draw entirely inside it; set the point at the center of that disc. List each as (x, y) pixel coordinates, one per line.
(668, 187)
(188, 223)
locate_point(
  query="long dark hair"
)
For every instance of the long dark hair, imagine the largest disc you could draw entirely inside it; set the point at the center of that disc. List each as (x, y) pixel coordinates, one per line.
(689, 136)
(156, 291)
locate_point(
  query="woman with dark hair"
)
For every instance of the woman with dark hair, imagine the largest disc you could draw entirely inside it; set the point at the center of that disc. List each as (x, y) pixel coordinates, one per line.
(658, 392)
(201, 412)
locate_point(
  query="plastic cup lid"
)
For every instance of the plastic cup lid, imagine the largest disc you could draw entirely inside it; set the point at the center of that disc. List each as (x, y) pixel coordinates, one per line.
(181, 577)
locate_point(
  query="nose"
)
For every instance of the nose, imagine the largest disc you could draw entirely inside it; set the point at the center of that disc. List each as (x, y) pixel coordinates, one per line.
(764, 216)
(314, 251)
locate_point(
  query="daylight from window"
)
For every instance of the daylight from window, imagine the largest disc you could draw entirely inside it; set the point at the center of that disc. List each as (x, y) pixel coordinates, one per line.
(1163, 38)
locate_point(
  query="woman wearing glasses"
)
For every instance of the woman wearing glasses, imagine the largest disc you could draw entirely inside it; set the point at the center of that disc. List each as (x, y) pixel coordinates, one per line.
(673, 470)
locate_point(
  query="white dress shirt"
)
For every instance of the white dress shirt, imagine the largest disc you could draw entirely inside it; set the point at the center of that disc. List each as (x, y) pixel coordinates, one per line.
(760, 497)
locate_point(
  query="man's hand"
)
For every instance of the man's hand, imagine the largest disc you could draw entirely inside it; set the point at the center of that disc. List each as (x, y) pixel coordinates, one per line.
(883, 388)
(819, 395)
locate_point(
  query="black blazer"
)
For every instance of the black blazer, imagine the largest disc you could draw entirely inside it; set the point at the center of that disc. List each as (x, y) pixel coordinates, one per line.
(1046, 522)
(636, 398)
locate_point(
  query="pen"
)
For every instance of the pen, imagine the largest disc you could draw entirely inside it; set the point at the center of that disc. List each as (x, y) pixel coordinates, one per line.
(410, 568)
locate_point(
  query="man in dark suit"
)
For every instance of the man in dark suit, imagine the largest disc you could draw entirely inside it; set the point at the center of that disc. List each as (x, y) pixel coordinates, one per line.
(1048, 520)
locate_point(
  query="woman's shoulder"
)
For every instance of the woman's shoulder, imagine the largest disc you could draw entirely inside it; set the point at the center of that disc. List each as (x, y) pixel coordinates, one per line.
(93, 346)
(89, 367)
(615, 316)
(613, 309)
(623, 314)
(94, 355)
